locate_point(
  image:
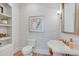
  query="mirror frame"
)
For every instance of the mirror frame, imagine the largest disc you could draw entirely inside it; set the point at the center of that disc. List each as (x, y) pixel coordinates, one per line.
(62, 20)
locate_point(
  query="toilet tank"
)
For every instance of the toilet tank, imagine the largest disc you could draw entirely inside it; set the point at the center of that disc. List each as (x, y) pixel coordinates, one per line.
(31, 42)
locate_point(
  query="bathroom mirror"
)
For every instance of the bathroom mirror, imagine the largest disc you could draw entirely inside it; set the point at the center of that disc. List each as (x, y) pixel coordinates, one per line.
(68, 18)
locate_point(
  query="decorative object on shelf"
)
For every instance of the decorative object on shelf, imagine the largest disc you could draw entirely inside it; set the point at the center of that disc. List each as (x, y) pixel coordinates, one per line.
(0, 21)
(36, 23)
(5, 16)
(4, 21)
(1, 9)
(0, 43)
(3, 35)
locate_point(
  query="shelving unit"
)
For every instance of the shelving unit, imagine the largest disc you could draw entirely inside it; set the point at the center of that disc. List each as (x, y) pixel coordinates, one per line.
(6, 27)
(5, 38)
(4, 15)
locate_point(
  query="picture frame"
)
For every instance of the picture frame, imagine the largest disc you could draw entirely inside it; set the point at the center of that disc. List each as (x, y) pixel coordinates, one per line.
(36, 23)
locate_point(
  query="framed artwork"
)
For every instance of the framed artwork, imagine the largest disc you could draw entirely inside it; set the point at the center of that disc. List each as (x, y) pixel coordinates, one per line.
(1, 9)
(36, 23)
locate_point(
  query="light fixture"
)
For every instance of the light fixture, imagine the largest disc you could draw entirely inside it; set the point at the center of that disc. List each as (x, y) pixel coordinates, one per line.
(58, 12)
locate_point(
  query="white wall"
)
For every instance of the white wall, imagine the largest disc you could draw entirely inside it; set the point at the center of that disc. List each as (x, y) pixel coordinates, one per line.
(20, 32)
(49, 11)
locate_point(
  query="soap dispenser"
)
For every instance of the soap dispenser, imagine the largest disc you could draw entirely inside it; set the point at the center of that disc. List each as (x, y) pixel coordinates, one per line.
(71, 43)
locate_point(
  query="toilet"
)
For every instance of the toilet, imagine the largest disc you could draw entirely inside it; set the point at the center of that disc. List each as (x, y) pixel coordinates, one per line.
(27, 50)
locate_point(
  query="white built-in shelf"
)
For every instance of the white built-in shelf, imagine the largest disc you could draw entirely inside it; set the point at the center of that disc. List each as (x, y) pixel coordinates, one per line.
(5, 25)
(4, 16)
(5, 38)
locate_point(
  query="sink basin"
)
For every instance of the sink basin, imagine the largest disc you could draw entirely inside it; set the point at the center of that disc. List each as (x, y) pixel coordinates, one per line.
(59, 47)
